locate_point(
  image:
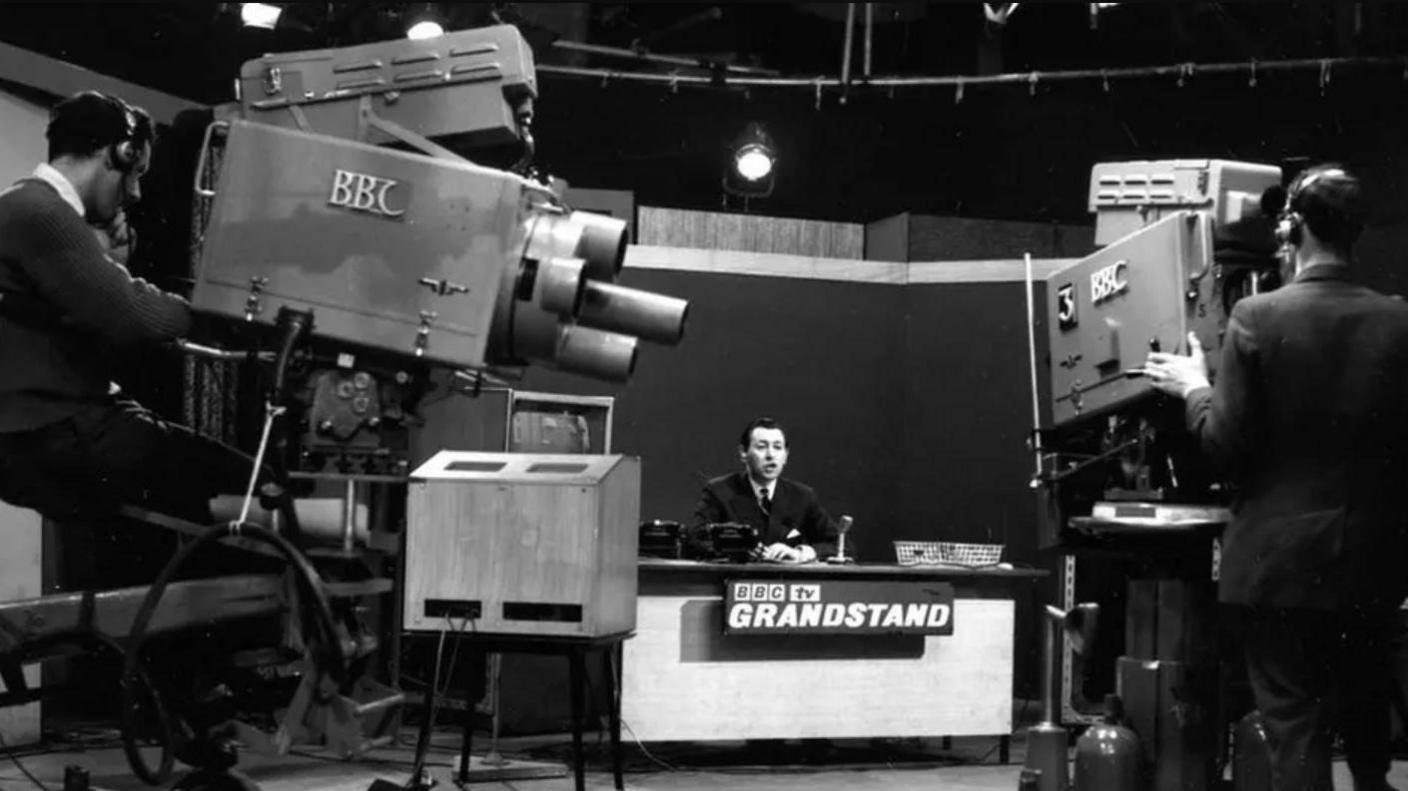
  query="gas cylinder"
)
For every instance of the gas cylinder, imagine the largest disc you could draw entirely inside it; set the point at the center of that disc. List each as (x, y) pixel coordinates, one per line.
(1108, 753)
(1251, 755)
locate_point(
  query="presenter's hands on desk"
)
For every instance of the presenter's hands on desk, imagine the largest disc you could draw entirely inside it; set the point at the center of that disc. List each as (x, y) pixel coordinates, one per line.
(781, 553)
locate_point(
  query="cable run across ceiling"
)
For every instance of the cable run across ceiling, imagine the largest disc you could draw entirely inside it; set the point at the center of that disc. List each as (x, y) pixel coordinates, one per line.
(1182, 72)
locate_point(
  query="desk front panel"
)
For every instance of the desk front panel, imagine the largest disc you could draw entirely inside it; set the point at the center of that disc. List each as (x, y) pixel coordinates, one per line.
(682, 679)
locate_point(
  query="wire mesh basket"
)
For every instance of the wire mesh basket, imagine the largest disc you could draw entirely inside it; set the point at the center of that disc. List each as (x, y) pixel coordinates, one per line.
(918, 553)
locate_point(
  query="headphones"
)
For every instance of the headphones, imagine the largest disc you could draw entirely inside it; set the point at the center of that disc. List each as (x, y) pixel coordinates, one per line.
(1290, 225)
(124, 152)
(1288, 228)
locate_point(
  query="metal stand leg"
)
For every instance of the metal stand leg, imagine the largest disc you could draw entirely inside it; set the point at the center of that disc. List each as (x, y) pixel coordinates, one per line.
(613, 702)
(468, 724)
(577, 675)
(495, 670)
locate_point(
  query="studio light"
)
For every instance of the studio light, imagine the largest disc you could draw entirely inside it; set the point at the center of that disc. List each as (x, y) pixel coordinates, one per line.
(424, 22)
(263, 15)
(425, 29)
(751, 163)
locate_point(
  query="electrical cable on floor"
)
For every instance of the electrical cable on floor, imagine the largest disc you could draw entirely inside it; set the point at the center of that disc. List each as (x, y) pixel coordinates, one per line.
(428, 724)
(616, 704)
(454, 657)
(649, 755)
(454, 653)
(133, 670)
(15, 759)
(83, 637)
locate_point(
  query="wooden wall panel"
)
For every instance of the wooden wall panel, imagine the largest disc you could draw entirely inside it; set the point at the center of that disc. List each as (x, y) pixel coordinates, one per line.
(934, 238)
(750, 233)
(797, 267)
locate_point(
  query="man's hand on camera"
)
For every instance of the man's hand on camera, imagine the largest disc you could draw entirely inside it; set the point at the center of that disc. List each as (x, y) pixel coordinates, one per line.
(1178, 374)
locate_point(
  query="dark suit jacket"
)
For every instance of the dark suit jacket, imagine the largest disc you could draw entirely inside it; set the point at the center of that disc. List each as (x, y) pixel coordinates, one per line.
(1310, 415)
(796, 515)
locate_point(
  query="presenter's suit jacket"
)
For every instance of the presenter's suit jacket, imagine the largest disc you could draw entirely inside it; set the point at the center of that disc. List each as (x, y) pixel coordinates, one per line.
(1310, 414)
(796, 516)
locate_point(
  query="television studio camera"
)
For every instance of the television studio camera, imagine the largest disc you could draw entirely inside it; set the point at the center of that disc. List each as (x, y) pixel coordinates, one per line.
(1119, 479)
(349, 244)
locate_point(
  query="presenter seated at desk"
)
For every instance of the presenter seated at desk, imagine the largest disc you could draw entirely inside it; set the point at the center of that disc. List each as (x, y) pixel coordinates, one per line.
(792, 526)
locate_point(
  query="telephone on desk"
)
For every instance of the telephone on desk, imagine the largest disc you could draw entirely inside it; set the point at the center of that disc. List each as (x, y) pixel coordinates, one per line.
(661, 539)
(730, 541)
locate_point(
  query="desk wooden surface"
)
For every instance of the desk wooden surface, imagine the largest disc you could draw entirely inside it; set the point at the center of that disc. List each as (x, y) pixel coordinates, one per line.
(659, 576)
(832, 569)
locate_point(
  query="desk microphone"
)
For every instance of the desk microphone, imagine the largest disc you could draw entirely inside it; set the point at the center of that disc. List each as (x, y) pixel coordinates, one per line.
(843, 527)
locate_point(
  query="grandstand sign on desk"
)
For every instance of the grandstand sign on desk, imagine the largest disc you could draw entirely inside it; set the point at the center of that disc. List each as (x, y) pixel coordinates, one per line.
(825, 606)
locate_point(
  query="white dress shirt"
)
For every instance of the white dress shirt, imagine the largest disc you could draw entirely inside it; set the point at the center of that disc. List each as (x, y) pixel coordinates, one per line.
(50, 175)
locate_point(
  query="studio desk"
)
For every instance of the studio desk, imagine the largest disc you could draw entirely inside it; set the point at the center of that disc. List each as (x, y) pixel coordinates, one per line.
(684, 679)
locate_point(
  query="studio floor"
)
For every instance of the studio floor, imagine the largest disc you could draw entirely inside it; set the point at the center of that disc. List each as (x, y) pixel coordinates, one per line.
(963, 764)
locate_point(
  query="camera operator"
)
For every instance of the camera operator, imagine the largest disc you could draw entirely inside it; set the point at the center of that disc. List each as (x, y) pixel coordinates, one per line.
(1308, 417)
(70, 443)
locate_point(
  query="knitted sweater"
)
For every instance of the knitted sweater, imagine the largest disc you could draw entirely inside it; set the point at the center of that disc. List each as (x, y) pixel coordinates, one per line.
(64, 306)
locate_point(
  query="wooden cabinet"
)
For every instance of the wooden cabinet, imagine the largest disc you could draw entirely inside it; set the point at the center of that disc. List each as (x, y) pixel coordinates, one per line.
(523, 543)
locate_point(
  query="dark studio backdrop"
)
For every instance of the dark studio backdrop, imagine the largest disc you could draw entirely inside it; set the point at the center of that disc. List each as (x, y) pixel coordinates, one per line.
(906, 407)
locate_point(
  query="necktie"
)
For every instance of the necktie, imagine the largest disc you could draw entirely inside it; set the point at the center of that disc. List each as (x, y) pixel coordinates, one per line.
(764, 501)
